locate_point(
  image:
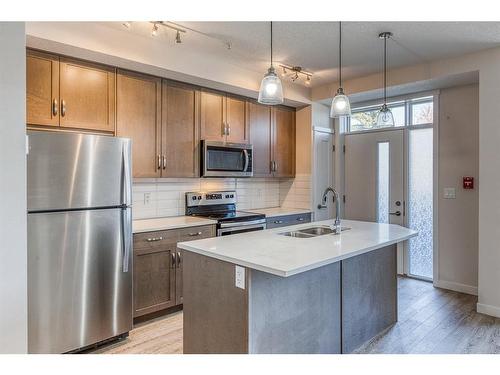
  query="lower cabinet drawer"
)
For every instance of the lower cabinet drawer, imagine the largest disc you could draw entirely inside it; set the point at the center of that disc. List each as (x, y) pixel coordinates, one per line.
(286, 220)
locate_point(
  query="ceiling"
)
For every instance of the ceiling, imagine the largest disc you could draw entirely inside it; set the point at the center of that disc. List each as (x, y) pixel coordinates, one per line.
(314, 45)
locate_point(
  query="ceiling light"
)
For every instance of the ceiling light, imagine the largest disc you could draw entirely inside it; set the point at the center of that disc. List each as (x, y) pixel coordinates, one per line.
(385, 117)
(178, 37)
(271, 91)
(154, 31)
(127, 24)
(294, 78)
(340, 103)
(283, 72)
(308, 81)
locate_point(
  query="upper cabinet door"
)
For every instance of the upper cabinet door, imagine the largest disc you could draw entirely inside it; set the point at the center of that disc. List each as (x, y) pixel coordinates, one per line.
(237, 127)
(212, 116)
(180, 130)
(284, 142)
(259, 119)
(138, 115)
(87, 94)
(42, 89)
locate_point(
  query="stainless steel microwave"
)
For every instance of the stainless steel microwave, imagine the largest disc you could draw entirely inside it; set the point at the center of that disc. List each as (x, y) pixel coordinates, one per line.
(223, 159)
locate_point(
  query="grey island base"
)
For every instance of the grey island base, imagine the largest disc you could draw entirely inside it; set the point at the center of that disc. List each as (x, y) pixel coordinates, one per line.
(332, 305)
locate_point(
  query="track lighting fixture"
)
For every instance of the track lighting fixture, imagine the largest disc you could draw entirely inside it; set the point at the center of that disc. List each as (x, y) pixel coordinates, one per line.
(178, 39)
(297, 72)
(127, 24)
(154, 31)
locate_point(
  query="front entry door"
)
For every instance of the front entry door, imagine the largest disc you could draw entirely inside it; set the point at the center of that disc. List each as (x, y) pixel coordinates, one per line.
(374, 177)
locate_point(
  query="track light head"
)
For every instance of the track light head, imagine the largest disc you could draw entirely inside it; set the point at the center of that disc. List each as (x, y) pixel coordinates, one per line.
(127, 24)
(178, 39)
(154, 31)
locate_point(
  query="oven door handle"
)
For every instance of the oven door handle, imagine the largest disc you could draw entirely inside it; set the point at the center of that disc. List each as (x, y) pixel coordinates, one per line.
(245, 152)
(242, 223)
(246, 227)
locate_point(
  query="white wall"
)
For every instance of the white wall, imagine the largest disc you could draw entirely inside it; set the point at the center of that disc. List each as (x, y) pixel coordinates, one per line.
(487, 63)
(458, 218)
(13, 256)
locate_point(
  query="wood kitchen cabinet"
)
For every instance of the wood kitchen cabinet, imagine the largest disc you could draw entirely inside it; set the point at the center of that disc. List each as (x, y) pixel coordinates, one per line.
(272, 134)
(158, 267)
(87, 95)
(138, 117)
(283, 141)
(42, 88)
(180, 130)
(223, 118)
(69, 94)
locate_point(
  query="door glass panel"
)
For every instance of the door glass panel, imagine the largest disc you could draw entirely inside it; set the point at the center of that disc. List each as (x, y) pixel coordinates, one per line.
(422, 113)
(383, 183)
(420, 193)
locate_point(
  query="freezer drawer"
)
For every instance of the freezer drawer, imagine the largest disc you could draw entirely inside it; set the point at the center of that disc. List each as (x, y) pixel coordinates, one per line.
(79, 278)
(70, 170)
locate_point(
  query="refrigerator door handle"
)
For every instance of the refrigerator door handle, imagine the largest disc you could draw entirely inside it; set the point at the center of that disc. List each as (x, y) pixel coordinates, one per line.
(127, 237)
(126, 182)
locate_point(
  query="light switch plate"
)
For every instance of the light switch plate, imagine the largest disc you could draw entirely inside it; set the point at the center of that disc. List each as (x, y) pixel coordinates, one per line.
(147, 198)
(239, 277)
(449, 193)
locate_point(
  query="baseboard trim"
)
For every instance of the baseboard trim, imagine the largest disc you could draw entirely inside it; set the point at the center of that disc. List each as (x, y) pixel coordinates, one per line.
(488, 310)
(457, 287)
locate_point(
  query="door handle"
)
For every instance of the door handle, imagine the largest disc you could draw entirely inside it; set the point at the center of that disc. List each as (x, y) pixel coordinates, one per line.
(173, 260)
(159, 161)
(126, 223)
(247, 160)
(55, 107)
(63, 108)
(397, 213)
(164, 162)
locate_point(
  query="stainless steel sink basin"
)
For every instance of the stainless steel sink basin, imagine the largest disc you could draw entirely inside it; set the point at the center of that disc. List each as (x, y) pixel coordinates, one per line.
(311, 232)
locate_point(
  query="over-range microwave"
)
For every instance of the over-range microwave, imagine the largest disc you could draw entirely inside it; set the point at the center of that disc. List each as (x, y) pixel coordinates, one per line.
(224, 159)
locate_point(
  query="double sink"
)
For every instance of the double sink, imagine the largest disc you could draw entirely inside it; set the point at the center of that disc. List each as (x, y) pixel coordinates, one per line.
(312, 232)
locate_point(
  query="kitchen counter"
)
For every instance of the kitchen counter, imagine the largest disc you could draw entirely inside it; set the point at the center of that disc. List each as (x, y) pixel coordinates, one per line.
(165, 223)
(280, 211)
(269, 252)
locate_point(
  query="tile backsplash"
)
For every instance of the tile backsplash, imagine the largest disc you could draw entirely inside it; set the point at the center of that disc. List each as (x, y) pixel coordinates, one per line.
(165, 197)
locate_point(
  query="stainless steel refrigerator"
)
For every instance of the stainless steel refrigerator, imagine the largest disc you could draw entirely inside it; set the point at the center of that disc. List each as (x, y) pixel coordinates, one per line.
(79, 240)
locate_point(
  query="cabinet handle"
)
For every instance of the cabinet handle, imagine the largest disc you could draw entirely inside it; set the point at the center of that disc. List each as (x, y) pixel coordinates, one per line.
(154, 239)
(63, 108)
(164, 162)
(55, 107)
(179, 259)
(159, 161)
(173, 260)
(195, 234)
(228, 129)
(278, 222)
(275, 166)
(223, 128)
(300, 219)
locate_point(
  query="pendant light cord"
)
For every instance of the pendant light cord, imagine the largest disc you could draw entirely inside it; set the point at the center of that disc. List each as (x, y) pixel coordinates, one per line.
(385, 70)
(271, 43)
(340, 54)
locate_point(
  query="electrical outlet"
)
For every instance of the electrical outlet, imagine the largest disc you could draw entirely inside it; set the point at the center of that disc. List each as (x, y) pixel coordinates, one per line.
(147, 198)
(239, 277)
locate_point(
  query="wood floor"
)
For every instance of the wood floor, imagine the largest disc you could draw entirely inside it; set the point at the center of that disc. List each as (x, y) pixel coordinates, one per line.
(430, 320)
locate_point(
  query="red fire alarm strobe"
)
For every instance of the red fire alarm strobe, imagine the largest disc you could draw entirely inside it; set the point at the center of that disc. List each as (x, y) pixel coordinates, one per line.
(468, 182)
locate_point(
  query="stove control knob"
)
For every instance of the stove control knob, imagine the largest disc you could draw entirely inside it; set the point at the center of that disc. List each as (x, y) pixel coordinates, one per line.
(231, 196)
(199, 197)
(227, 196)
(193, 197)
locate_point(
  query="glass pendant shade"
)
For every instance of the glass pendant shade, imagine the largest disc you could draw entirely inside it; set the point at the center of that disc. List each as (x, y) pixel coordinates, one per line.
(340, 105)
(385, 117)
(271, 91)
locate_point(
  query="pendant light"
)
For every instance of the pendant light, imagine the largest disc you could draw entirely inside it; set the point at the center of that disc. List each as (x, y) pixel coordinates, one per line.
(271, 91)
(340, 104)
(385, 117)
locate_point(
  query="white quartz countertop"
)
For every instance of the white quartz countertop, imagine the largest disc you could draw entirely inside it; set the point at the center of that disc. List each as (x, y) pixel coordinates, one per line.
(279, 211)
(164, 223)
(270, 252)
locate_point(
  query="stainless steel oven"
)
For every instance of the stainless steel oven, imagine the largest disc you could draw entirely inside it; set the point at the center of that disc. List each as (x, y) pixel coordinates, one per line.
(223, 159)
(227, 228)
(221, 206)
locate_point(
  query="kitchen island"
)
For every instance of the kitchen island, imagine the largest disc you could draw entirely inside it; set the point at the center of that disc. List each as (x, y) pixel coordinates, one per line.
(265, 292)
